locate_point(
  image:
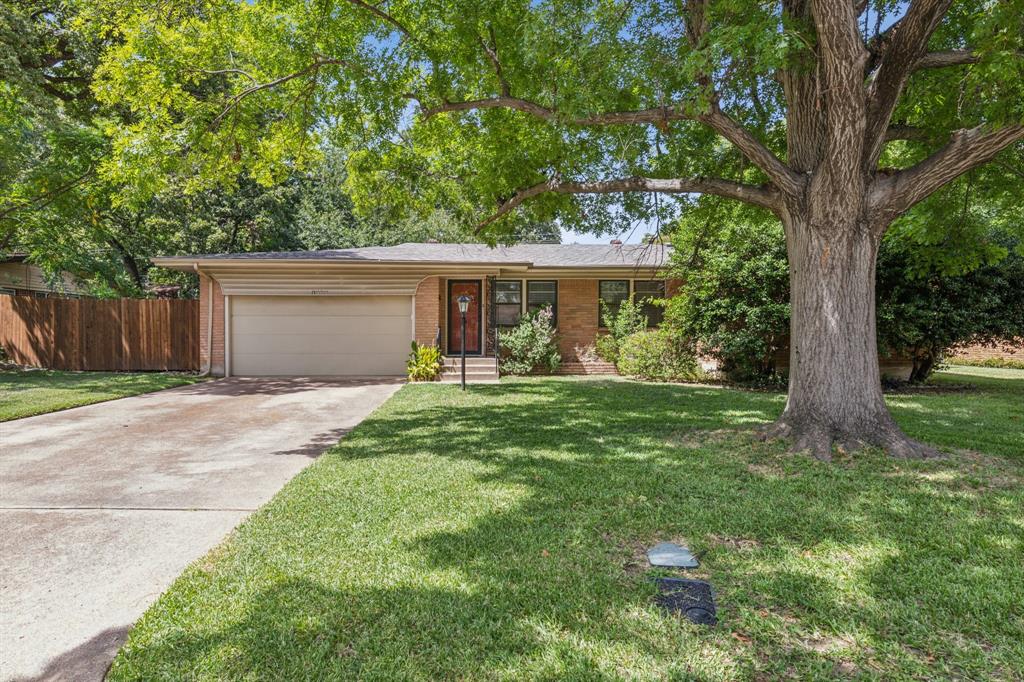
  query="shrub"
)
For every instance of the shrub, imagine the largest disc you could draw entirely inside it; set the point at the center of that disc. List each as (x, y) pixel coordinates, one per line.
(530, 345)
(424, 363)
(734, 297)
(607, 348)
(627, 320)
(659, 355)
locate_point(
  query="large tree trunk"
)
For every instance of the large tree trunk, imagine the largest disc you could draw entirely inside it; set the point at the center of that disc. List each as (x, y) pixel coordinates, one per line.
(835, 391)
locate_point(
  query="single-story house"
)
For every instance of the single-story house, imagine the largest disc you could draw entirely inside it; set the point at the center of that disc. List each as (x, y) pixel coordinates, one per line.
(354, 312)
(19, 277)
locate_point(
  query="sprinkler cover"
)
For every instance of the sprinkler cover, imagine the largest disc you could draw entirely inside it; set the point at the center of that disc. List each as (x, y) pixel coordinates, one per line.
(671, 555)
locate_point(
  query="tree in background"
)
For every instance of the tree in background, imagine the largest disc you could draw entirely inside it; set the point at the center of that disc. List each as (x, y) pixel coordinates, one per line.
(927, 315)
(56, 207)
(734, 294)
(836, 116)
(931, 298)
(51, 139)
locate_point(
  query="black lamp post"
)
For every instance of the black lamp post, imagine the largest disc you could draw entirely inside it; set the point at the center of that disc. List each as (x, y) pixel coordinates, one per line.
(463, 307)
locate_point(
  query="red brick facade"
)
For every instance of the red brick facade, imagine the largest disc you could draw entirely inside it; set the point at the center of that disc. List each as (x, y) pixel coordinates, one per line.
(207, 288)
(577, 318)
(997, 352)
(428, 310)
(577, 321)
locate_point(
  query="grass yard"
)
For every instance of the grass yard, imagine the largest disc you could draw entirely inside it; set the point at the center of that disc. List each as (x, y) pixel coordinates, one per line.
(498, 534)
(24, 393)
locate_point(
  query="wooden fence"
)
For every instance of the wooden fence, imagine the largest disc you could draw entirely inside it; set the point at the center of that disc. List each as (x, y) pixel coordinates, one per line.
(95, 334)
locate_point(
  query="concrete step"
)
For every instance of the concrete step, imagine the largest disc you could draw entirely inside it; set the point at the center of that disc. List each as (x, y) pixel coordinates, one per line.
(470, 378)
(470, 373)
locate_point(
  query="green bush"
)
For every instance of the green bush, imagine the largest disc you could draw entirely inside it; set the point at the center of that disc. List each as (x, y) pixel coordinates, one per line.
(607, 348)
(658, 355)
(530, 345)
(424, 363)
(734, 296)
(627, 320)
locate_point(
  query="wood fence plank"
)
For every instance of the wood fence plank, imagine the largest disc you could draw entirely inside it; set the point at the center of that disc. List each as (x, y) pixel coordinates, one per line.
(101, 335)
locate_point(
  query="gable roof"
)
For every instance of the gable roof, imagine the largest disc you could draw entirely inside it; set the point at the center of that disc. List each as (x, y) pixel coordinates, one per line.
(534, 255)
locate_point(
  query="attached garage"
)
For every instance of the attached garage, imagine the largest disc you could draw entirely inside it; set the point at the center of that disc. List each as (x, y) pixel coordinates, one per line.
(319, 335)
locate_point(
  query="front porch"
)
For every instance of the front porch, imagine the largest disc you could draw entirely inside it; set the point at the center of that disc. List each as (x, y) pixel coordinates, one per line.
(479, 369)
(500, 297)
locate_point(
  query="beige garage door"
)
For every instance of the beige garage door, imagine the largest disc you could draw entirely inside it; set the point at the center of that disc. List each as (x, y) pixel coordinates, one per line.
(320, 336)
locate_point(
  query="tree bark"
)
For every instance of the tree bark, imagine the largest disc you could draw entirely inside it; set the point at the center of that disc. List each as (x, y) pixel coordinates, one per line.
(835, 390)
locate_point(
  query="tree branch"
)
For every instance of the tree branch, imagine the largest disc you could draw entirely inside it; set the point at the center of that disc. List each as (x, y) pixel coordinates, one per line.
(503, 102)
(782, 175)
(492, 54)
(937, 60)
(901, 50)
(381, 14)
(840, 95)
(966, 149)
(49, 197)
(253, 89)
(716, 119)
(765, 196)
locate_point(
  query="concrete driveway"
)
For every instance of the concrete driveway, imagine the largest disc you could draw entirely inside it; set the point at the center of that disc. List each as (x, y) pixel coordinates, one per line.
(102, 506)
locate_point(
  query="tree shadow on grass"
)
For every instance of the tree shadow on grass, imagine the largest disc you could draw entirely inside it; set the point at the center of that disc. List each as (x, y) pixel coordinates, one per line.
(505, 522)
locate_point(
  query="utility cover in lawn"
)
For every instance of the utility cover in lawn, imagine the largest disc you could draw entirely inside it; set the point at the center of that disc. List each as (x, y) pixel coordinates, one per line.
(692, 598)
(671, 555)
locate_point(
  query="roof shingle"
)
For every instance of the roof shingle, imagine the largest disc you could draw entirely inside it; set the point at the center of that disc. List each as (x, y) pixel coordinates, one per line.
(537, 255)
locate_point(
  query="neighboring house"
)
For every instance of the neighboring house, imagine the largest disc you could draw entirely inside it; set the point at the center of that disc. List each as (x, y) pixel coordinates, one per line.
(1006, 350)
(354, 312)
(21, 278)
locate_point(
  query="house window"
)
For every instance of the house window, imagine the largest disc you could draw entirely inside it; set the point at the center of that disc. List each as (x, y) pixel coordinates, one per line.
(508, 302)
(611, 292)
(644, 291)
(541, 294)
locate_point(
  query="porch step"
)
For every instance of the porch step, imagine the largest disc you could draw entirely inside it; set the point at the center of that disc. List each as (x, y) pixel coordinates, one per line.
(471, 361)
(478, 369)
(470, 378)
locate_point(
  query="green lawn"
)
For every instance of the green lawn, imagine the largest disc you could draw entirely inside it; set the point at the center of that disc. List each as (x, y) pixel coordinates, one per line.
(498, 534)
(27, 392)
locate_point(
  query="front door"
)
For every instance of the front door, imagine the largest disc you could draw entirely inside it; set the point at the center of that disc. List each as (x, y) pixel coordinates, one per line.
(457, 288)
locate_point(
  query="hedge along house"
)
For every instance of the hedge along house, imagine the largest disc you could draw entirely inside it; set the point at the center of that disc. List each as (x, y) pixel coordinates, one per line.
(354, 312)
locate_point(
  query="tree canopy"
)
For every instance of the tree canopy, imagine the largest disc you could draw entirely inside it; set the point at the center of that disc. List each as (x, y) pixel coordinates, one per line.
(837, 116)
(480, 107)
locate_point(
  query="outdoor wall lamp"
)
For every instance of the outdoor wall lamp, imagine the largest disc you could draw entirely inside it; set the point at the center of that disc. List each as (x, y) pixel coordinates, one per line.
(463, 307)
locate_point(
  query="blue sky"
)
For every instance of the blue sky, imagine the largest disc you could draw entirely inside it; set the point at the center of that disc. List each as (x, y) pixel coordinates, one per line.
(570, 237)
(632, 235)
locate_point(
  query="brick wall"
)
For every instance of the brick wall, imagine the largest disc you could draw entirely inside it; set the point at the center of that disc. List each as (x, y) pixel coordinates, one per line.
(209, 287)
(428, 310)
(577, 317)
(997, 352)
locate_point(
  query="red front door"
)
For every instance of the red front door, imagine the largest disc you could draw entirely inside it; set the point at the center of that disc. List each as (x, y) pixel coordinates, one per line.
(471, 289)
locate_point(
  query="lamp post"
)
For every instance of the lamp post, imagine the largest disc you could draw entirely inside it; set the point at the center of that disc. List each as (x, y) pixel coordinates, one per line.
(463, 307)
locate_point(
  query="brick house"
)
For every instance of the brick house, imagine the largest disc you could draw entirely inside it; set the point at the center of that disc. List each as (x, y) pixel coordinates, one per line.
(354, 312)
